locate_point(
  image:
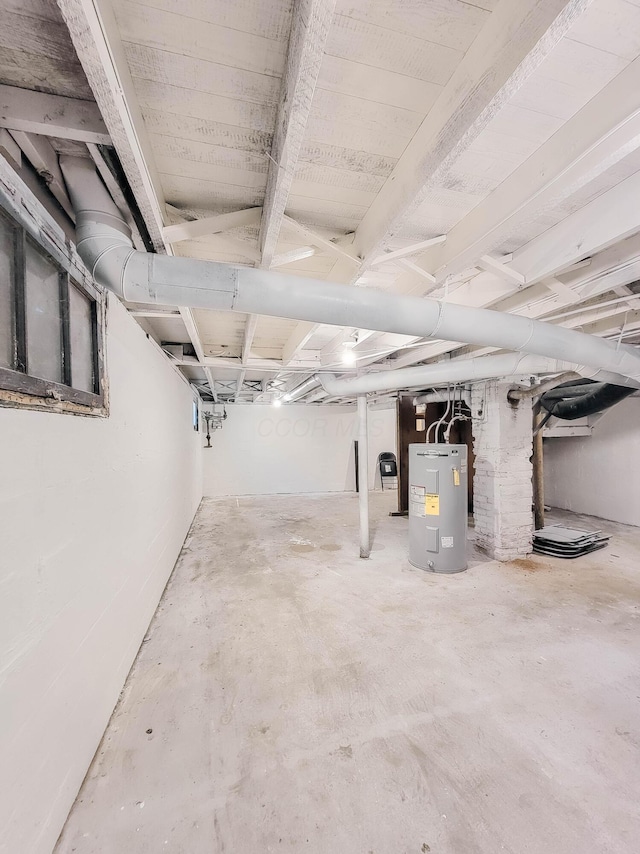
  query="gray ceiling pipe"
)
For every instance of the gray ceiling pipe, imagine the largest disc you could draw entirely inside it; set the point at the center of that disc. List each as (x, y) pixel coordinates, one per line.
(443, 396)
(464, 370)
(303, 389)
(104, 244)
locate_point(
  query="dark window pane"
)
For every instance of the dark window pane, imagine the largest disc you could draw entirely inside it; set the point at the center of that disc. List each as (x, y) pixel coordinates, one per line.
(6, 294)
(81, 340)
(44, 328)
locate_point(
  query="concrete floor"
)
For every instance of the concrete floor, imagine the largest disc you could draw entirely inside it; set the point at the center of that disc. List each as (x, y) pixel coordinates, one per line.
(290, 697)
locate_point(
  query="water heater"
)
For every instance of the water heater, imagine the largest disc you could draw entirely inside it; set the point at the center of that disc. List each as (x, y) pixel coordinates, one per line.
(438, 507)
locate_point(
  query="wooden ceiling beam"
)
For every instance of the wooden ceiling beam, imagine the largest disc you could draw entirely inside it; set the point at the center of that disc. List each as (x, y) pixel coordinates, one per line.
(210, 225)
(597, 137)
(96, 39)
(297, 341)
(311, 21)
(516, 39)
(44, 159)
(340, 250)
(607, 219)
(249, 334)
(52, 115)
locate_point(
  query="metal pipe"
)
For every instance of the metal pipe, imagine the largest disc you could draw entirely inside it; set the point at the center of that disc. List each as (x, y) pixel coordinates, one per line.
(445, 414)
(516, 394)
(441, 396)
(304, 388)
(363, 477)
(103, 242)
(459, 417)
(594, 307)
(451, 423)
(464, 370)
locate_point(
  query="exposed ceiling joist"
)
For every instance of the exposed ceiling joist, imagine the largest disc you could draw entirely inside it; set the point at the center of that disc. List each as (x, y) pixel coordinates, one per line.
(44, 159)
(415, 268)
(52, 115)
(606, 220)
(249, 333)
(225, 244)
(566, 294)
(294, 255)
(413, 249)
(297, 341)
(311, 21)
(594, 139)
(154, 313)
(493, 265)
(194, 335)
(512, 44)
(210, 225)
(356, 337)
(96, 38)
(340, 251)
(605, 318)
(212, 384)
(10, 149)
(616, 266)
(239, 383)
(254, 364)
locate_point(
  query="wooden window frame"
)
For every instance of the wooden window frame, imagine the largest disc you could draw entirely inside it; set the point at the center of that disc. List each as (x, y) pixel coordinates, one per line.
(17, 387)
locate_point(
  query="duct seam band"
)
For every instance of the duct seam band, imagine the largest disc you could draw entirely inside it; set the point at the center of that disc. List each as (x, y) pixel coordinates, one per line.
(106, 252)
(532, 329)
(434, 331)
(124, 270)
(108, 235)
(104, 218)
(236, 292)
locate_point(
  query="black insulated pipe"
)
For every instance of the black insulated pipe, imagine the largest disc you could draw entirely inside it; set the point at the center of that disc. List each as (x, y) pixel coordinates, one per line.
(579, 398)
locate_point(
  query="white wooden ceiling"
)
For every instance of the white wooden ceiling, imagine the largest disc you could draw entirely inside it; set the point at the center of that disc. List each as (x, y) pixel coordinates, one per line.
(363, 127)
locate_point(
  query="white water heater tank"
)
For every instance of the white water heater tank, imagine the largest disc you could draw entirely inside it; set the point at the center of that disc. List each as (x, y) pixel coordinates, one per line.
(438, 507)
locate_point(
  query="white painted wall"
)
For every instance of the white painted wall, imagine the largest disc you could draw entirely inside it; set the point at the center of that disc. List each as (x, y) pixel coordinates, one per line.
(294, 449)
(598, 474)
(93, 515)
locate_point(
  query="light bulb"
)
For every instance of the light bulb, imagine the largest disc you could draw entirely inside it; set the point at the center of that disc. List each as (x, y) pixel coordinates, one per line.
(348, 356)
(277, 402)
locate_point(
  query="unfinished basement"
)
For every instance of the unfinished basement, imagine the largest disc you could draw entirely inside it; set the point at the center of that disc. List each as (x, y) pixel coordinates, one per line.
(319, 426)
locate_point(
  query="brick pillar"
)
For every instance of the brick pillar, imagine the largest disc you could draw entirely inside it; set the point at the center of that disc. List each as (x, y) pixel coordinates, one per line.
(502, 489)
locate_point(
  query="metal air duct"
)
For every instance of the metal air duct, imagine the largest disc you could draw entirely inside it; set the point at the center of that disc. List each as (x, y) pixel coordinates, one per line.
(104, 244)
(469, 369)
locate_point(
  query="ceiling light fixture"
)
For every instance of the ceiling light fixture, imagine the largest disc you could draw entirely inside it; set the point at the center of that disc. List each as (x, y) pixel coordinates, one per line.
(348, 356)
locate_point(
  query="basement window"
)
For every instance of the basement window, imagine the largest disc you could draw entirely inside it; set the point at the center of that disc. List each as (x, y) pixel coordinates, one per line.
(50, 329)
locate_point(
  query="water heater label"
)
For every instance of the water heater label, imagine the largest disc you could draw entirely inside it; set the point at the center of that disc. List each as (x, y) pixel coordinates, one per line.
(432, 505)
(416, 506)
(446, 542)
(456, 477)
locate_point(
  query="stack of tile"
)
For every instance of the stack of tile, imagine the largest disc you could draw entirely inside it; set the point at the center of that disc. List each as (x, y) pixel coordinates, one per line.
(558, 541)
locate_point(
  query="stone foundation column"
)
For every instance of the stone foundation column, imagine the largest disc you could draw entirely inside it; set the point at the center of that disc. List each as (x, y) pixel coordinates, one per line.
(502, 489)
